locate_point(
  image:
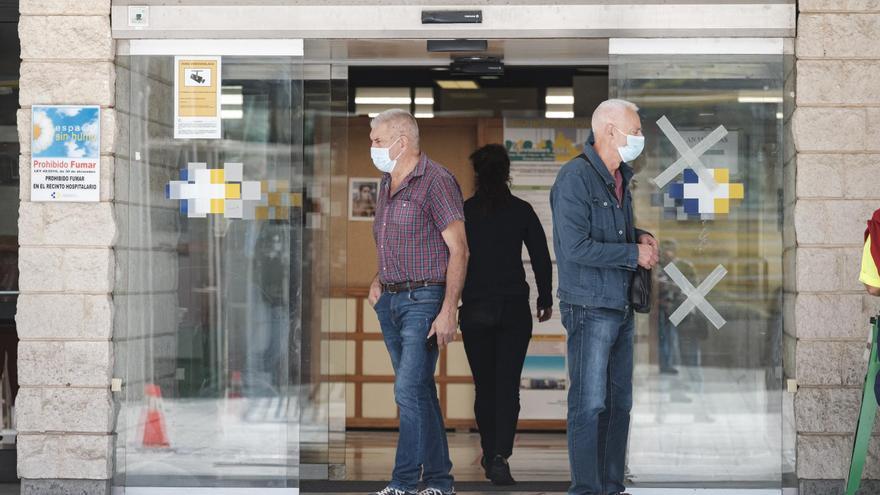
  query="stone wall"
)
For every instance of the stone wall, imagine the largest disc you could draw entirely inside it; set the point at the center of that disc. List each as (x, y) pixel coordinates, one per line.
(65, 311)
(836, 130)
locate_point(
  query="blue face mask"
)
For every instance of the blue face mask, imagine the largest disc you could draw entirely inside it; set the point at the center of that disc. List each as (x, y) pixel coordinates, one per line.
(382, 158)
(633, 148)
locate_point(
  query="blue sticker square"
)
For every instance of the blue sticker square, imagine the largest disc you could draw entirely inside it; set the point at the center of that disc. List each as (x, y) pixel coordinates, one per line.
(184, 175)
(692, 206)
(676, 190)
(691, 177)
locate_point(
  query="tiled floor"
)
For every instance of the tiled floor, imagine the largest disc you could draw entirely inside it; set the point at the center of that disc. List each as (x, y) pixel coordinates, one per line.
(708, 425)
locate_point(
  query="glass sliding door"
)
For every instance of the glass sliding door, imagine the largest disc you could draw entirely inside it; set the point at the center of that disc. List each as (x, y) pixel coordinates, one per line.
(708, 378)
(214, 282)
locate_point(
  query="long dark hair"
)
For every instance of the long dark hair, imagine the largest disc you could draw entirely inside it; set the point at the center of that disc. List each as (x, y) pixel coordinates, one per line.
(492, 167)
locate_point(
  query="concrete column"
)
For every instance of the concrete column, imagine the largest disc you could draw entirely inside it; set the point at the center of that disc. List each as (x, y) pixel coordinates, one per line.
(836, 130)
(67, 265)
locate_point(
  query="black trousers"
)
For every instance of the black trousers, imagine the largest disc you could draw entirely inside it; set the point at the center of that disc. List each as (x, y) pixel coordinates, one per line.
(496, 337)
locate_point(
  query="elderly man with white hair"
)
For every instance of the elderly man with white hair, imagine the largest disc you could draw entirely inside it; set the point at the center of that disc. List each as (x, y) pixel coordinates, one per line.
(423, 254)
(598, 249)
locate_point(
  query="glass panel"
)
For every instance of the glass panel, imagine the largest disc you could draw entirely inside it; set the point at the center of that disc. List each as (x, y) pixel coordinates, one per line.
(9, 241)
(707, 387)
(324, 358)
(210, 307)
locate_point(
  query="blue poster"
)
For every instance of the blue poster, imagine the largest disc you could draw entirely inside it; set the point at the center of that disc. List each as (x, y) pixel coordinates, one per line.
(65, 153)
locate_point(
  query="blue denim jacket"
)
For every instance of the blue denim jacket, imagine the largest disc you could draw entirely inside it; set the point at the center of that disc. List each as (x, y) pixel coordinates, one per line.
(594, 236)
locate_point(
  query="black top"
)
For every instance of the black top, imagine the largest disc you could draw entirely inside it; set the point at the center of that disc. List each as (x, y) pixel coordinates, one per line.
(495, 242)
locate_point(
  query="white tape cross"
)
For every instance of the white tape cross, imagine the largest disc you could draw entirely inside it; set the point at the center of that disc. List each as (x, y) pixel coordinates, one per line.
(690, 157)
(696, 297)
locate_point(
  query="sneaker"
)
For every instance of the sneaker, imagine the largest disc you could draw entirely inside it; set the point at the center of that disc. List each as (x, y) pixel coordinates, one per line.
(392, 491)
(435, 491)
(499, 472)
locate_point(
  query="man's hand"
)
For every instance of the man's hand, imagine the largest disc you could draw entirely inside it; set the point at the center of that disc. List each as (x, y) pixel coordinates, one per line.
(544, 314)
(648, 256)
(649, 240)
(444, 326)
(375, 291)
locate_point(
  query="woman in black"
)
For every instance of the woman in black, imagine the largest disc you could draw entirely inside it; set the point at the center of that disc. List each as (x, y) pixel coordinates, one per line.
(496, 319)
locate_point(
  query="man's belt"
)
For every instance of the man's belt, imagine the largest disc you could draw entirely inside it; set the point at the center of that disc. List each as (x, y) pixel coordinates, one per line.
(409, 286)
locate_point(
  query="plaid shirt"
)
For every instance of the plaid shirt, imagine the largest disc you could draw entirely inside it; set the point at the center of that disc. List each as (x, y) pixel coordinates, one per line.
(409, 224)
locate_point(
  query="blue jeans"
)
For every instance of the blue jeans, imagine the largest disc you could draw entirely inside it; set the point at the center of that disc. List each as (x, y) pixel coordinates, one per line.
(600, 365)
(668, 340)
(422, 451)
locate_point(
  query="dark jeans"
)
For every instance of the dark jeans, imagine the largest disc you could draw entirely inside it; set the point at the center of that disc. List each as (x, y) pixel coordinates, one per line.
(600, 364)
(422, 451)
(496, 337)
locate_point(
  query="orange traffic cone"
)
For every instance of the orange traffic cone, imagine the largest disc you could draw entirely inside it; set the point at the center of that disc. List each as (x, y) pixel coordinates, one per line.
(154, 426)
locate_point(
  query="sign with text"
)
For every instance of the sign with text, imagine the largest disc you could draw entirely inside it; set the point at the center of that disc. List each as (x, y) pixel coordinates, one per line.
(197, 98)
(66, 153)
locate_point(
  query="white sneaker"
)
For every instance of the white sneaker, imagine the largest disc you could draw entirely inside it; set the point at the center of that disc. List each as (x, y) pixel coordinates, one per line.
(392, 491)
(434, 491)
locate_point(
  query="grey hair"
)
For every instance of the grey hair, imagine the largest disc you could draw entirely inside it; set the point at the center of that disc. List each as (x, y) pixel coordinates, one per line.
(400, 121)
(608, 109)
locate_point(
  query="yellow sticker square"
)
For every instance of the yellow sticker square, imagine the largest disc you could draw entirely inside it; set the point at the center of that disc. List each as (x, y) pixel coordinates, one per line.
(218, 176)
(274, 199)
(296, 200)
(233, 191)
(218, 205)
(261, 213)
(722, 206)
(282, 185)
(736, 191)
(722, 175)
(282, 213)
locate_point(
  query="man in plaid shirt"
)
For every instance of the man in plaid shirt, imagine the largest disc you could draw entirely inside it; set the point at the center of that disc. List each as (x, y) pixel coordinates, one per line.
(423, 253)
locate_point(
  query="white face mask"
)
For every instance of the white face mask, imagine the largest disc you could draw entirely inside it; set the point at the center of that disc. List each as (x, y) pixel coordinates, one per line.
(633, 148)
(382, 158)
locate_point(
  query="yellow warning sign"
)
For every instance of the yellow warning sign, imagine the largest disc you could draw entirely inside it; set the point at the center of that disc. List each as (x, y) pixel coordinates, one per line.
(197, 97)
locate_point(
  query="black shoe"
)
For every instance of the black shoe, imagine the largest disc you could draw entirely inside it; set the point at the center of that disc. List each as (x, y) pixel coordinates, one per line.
(484, 461)
(499, 472)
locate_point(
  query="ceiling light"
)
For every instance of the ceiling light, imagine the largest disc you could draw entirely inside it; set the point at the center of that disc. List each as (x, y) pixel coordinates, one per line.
(231, 114)
(424, 101)
(559, 115)
(559, 100)
(425, 115)
(383, 100)
(759, 99)
(466, 84)
(231, 99)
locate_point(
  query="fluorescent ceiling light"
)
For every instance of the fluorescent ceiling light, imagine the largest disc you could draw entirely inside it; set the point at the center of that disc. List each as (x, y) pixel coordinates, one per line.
(759, 99)
(231, 114)
(424, 101)
(372, 114)
(231, 99)
(467, 84)
(779, 115)
(559, 100)
(424, 115)
(559, 115)
(383, 100)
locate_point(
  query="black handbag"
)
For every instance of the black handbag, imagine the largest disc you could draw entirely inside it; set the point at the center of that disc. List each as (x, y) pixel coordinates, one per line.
(640, 291)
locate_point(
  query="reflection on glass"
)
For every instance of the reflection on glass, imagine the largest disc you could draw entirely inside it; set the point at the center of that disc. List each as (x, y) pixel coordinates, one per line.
(707, 391)
(210, 309)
